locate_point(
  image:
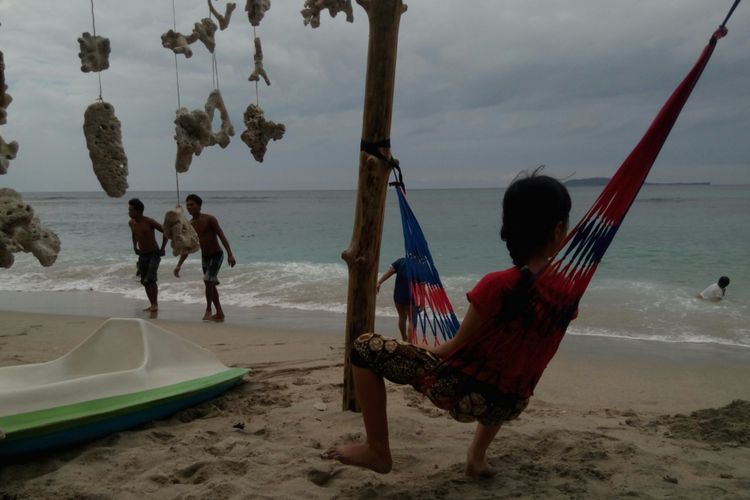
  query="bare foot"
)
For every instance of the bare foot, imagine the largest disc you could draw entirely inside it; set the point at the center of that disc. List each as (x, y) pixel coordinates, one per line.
(207, 316)
(479, 469)
(361, 455)
(218, 318)
(153, 314)
(152, 308)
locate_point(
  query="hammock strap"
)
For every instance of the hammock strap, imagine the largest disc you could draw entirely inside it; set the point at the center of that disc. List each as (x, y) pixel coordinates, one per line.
(731, 11)
(373, 149)
(585, 245)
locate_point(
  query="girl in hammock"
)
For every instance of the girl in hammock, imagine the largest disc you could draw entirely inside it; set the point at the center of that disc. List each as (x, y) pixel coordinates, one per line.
(488, 371)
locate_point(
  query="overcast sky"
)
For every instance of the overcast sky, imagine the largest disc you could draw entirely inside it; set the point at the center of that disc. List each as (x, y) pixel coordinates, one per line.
(484, 88)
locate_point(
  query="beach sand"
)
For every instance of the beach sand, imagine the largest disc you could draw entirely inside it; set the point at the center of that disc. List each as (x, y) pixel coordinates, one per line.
(610, 418)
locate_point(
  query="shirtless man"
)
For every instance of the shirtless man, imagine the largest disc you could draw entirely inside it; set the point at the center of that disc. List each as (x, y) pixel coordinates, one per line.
(148, 252)
(209, 234)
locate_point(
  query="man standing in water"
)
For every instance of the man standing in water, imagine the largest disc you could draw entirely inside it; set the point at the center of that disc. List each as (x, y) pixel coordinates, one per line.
(149, 253)
(209, 234)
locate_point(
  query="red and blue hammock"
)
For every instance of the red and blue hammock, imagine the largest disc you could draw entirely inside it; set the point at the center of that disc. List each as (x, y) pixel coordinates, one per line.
(430, 309)
(560, 286)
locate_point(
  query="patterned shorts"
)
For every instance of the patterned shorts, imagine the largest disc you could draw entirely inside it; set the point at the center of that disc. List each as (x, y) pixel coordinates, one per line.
(465, 399)
(211, 265)
(148, 266)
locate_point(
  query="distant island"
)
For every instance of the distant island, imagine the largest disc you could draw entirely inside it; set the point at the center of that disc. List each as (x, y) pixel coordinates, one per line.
(602, 181)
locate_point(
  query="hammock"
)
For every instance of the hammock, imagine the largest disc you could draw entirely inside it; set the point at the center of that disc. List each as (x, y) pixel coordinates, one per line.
(557, 290)
(521, 349)
(430, 310)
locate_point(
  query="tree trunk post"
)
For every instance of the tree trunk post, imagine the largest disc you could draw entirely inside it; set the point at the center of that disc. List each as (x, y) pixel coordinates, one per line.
(363, 254)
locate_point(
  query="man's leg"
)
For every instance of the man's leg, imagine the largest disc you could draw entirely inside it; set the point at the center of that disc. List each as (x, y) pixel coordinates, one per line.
(403, 315)
(375, 452)
(209, 296)
(152, 291)
(219, 316)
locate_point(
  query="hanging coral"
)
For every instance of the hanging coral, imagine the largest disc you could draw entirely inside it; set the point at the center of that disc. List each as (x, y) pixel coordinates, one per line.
(180, 44)
(214, 102)
(94, 52)
(259, 70)
(256, 9)
(180, 232)
(311, 11)
(223, 20)
(177, 43)
(204, 31)
(8, 151)
(5, 98)
(104, 142)
(192, 133)
(193, 130)
(21, 231)
(260, 131)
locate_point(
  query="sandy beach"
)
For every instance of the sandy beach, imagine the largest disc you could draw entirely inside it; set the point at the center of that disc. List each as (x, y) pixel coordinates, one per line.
(610, 418)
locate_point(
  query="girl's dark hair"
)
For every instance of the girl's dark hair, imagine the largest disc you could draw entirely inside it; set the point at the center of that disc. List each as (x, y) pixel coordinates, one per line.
(533, 205)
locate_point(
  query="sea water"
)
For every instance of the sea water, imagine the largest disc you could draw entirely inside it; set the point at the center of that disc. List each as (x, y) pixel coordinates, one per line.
(675, 241)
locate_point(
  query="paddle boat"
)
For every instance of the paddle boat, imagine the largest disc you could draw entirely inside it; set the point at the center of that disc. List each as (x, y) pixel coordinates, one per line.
(127, 373)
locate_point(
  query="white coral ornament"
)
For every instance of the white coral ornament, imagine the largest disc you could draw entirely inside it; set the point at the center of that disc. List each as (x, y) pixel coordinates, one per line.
(177, 43)
(311, 11)
(8, 151)
(204, 31)
(104, 142)
(192, 133)
(223, 20)
(259, 69)
(180, 232)
(259, 131)
(214, 102)
(94, 52)
(256, 9)
(21, 231)
(5, 98)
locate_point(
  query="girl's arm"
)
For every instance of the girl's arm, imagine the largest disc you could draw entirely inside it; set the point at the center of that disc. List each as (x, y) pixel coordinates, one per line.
(471, 328)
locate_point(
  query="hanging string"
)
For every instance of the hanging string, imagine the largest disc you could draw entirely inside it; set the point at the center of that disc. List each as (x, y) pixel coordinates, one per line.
(214, 71)
(176, 71)
(177, 184)
(257, 94)
(214, 64)
(179, 105)
(93, 28)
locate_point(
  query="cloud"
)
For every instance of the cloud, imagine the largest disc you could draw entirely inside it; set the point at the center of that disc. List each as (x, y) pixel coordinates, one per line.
(484, 89)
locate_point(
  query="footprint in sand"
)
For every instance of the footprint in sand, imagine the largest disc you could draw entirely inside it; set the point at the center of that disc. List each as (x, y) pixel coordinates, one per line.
(162, 436)
(322, 477)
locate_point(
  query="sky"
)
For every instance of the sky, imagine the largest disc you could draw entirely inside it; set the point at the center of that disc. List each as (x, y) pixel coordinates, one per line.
(484, 89)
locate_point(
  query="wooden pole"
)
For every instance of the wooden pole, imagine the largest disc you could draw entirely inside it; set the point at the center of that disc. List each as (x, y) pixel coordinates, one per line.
(363, 254)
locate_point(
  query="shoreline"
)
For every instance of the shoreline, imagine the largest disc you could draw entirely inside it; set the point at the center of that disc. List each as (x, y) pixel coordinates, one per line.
(103, 304)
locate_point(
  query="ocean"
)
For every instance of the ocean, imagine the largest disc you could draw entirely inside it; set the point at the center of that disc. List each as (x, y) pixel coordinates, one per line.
(675, 241)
